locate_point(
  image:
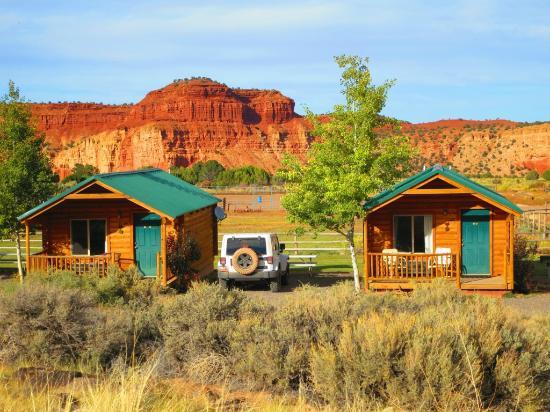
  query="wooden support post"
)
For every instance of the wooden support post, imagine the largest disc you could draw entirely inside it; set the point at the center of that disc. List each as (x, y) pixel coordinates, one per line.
(27, 246)
(158, 265)
(511, 263)
(458, 268)
(366, 253)
(163, 273)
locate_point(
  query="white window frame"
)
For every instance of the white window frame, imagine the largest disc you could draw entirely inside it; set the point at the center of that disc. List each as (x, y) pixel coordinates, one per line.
(412, 232)
(87, 233)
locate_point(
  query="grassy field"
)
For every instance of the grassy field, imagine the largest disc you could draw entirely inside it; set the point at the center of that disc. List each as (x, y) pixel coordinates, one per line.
(528, 193)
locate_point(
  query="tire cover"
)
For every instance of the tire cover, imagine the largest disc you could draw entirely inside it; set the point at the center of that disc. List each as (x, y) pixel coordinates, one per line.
(245, 261)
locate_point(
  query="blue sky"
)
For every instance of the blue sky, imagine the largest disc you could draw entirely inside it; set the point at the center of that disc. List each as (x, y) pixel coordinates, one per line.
(469, 59)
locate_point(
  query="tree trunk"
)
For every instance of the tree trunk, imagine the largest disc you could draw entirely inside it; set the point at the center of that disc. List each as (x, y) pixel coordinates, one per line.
(18, 252)
(351, 244)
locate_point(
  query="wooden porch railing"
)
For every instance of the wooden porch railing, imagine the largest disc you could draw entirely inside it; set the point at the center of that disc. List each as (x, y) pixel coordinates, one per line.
(408, 267)
(78, 264)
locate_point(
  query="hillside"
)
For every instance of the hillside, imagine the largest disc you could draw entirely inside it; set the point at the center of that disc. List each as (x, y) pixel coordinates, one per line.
(498, 147)
(199, 119)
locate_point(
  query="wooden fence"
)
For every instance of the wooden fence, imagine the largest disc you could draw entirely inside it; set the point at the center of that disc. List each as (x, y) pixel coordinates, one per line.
(308, 242)
(535, 224)
(8, 251)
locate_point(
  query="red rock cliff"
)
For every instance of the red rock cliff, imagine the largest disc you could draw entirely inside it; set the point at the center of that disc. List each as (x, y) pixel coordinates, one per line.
(180, 124)
(197, 120)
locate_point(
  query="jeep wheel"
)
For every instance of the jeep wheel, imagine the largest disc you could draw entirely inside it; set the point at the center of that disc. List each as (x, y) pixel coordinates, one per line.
(275, 284)
(284, 278)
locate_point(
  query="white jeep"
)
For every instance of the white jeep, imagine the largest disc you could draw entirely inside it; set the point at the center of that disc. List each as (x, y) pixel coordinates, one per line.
(252, 257)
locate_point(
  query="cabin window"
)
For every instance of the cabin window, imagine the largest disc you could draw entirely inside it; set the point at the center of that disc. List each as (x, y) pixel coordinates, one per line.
(88, 236)
(413, 233)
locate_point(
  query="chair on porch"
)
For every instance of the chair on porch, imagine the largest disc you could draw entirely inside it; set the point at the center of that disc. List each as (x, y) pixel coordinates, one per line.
(390, 263)
(442, 265)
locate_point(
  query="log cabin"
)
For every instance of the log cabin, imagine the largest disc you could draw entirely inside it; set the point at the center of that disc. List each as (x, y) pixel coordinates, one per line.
(439, 224)
(124, 219)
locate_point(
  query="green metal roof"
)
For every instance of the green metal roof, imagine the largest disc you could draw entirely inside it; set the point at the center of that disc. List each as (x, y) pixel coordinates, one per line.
(153, 187)
(412, 181)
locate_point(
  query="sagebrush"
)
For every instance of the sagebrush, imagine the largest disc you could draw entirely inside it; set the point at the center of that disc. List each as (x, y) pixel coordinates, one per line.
(435, 349)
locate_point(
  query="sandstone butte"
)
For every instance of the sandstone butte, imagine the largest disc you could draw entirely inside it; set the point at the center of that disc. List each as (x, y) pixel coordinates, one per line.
(199, 119)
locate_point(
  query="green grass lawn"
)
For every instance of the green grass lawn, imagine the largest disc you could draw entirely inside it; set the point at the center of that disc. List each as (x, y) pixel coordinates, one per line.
(506, 184)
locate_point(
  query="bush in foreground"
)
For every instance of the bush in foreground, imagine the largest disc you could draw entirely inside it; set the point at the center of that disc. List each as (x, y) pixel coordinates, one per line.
(118, 286)
(45, 325)
(64, 319)
(434, 349)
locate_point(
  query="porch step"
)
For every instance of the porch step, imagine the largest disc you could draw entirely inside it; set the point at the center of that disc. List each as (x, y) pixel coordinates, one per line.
(492, 284)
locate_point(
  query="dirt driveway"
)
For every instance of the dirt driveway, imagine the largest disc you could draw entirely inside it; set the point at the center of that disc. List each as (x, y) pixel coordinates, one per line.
(261, 291)
(536, 303)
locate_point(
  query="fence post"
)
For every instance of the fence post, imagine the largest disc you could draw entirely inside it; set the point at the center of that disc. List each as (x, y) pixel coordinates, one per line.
(546, 230)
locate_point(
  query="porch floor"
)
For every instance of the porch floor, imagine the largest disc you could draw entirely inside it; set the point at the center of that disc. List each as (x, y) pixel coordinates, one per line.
(473, 283)
(466, 283)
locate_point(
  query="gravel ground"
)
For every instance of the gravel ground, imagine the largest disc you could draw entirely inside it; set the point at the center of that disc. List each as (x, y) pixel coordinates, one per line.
(536, 303)
(261, 291)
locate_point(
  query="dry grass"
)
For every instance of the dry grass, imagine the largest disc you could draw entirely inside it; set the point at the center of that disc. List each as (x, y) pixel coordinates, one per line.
(133, 390)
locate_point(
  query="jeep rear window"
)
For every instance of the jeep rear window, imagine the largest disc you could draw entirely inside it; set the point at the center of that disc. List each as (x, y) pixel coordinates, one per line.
(257, 244)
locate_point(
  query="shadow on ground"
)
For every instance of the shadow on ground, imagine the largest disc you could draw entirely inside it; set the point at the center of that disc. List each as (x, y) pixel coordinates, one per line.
(295, 280)
(6, 273)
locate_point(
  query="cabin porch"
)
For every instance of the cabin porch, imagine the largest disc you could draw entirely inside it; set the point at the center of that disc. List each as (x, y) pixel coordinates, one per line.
(81, 265)
(405, 271)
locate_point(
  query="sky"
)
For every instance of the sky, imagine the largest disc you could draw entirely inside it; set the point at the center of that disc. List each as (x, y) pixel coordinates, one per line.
(477, 59)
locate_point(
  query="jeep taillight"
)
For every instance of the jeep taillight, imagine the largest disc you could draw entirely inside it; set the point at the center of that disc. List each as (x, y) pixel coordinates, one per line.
(222, 261)
(269, 259)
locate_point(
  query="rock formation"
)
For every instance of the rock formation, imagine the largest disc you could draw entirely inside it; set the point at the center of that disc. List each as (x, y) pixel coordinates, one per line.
(182, 123)
(196, 120)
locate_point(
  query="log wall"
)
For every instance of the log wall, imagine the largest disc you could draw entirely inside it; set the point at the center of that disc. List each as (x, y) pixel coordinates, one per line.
(202, 226)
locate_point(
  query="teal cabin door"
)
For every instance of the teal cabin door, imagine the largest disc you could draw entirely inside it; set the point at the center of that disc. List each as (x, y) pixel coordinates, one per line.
(475, 242)
(147, 242)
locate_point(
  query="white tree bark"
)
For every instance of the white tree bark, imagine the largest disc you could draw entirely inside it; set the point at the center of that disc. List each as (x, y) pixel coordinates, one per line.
(351, 244)
(19, 260)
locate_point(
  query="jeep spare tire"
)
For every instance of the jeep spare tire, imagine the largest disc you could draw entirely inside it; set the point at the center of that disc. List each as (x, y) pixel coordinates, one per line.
(245, 261)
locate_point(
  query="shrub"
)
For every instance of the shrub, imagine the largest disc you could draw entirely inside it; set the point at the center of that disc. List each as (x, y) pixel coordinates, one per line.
(532, 175)
(80, 172)
(213, 173)
(434, 349)
(274, 351)
(523, 262)
(247, 175)
(118, 286)
(452, 352)
(45, 325)
(199, 323)
(438, 348)
(127, 334)
(546, 175)
(181, 253)
(126, 284)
